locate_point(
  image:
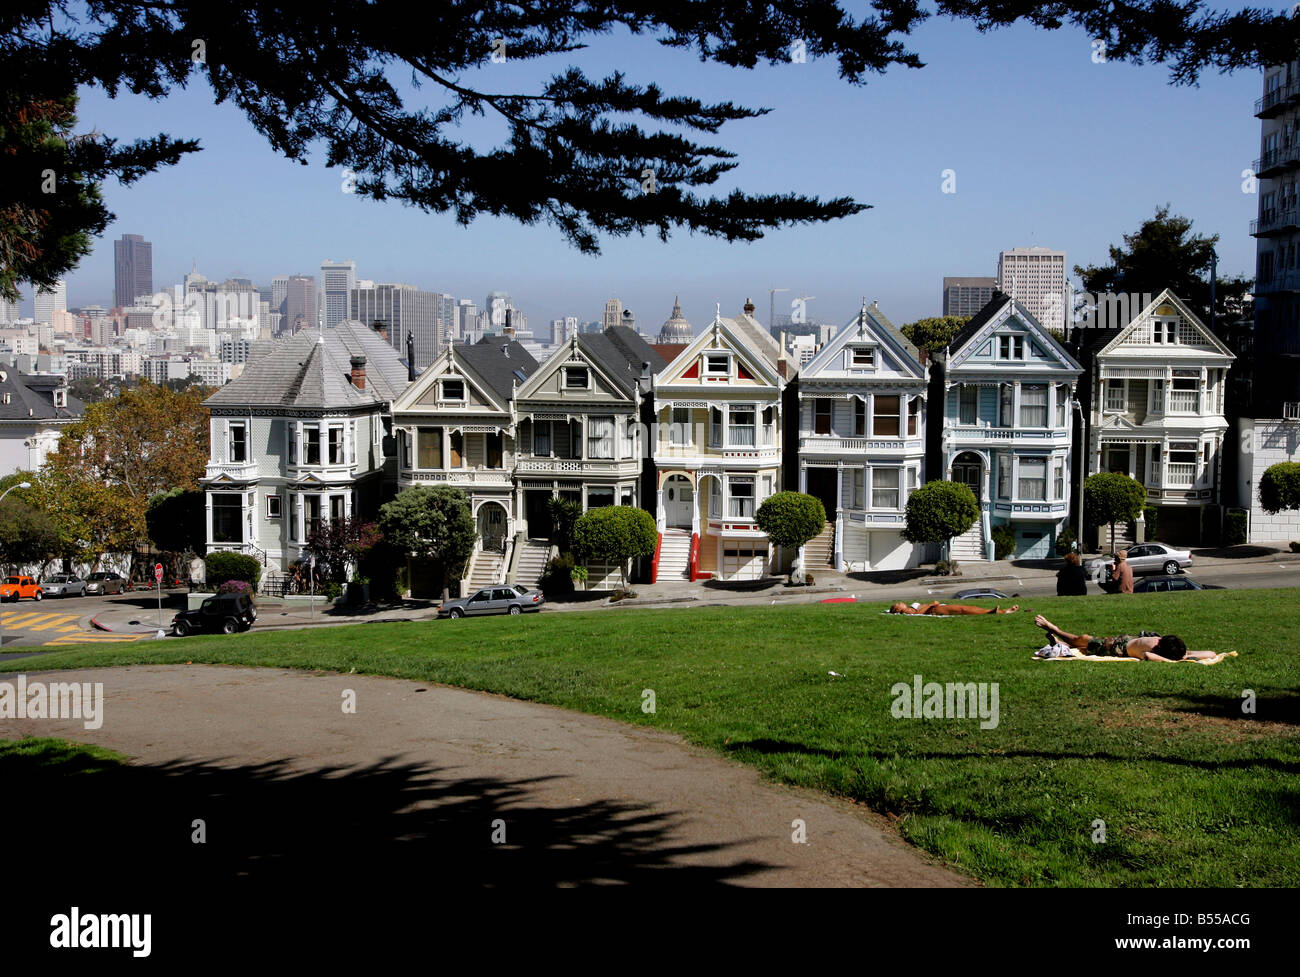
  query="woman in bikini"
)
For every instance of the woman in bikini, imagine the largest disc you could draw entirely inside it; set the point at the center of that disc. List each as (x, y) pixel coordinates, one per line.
(937, 609)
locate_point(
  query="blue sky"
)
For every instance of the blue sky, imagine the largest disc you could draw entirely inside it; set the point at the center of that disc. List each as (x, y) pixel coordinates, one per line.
(1048, 147)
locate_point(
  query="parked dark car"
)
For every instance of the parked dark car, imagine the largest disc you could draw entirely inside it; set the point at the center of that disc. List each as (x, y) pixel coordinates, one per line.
(499, 599)
(1164, 584)
(226, 613)
(978, 592)
(104, 582)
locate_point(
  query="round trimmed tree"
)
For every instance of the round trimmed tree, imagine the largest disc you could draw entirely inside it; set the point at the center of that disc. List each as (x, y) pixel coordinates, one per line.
(615, 534)
(791, 519)
(1279, 487)
(1111, 497)
(431, 523)
(938, 511)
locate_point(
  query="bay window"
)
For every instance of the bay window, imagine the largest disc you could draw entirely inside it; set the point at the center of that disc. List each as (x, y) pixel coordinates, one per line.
(1115, 395)
(600, 437)
(1033, 405)
(1058, 479)
(741, 423)
(311, 446)
(1033, 479)
(884, 416)
(1004, 476)
(542, 439)
(913, 416)
(859, 417)
(335, 445)
(1006, 405)
(859, 488)
(884, 488)
(227, 517)
(967, 403)
(742, 498)
(715, 498)
(238, 442)
(679, 426)
(822, 415)
(715, 427)
(1062, 405)
(429, 447)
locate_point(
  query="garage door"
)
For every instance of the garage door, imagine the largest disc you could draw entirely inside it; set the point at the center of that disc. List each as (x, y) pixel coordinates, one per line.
(743, 560)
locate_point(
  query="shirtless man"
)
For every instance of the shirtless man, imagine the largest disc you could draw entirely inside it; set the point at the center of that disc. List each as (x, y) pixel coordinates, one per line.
(1156, 648)
(937, 609)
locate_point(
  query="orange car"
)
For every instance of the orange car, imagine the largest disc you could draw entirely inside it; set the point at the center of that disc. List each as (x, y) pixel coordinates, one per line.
(16, 588)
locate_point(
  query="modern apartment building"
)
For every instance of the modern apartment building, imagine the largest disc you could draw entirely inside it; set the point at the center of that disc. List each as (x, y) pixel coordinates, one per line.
(966, 296)
(1035, 277)
(404, 310)
(299, 304)
(132, 269)
(47, 303)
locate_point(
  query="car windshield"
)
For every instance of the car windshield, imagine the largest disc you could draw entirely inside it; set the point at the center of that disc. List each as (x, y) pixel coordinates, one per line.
(98, 576)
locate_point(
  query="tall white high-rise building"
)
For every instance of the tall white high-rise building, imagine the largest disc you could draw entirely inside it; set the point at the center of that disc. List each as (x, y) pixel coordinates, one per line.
(613, 314)
(1035, 277)
(47, 303)
(9, 310)
(337, 280)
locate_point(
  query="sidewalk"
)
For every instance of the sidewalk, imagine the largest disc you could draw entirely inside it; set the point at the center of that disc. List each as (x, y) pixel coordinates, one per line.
(272, 613)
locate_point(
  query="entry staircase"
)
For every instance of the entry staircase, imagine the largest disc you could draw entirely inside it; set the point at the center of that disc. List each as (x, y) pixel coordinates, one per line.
(819, 552)
(530, 562)
(487, 568)
(675, 555)
(969, 546)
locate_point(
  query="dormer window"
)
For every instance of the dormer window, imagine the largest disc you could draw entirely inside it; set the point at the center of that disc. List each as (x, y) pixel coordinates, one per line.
(862, 357)
(577, 378)
(1164, 331)
(453, 389)
(717, 365)
(1011, 347)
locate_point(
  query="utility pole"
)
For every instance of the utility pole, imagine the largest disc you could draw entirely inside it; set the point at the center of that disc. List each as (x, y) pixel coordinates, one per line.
(1214, 277)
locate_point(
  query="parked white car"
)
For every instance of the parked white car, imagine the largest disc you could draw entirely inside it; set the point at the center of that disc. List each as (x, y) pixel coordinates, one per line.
(63, 585)
(1145, 558)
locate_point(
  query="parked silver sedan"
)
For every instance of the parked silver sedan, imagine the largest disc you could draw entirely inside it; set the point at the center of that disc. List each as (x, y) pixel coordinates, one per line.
(104, 582)
(1147, 558)
(63, 585)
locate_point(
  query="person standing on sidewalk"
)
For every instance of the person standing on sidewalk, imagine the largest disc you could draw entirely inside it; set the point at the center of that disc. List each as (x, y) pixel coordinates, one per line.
(1071, 581)
(1122, 573)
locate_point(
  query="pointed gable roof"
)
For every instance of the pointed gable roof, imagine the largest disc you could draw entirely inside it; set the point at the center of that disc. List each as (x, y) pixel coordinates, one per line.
(724, 331)
(869, 322)
(996, 311)
(499, 364)
(1166, 297)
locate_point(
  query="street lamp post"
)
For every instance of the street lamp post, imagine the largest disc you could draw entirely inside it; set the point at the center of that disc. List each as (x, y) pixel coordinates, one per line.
(20, 485)
(1083, 470)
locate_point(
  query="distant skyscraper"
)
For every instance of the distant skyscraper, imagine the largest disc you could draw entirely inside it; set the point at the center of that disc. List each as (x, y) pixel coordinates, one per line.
(337, 280)
(8, 310)
(47, 303)
(404, 310)
(279, 288)
(132, 269)
(299, 304)
(1035, 277)
(495, 307)
(966, 296)
(613, 314)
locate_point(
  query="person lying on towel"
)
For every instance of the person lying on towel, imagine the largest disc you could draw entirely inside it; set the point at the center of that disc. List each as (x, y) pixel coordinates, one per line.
(937, 609)
(1149, 647)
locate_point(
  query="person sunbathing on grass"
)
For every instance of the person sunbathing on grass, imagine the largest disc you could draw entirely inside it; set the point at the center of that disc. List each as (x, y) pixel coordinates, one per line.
(1152, 647)
(938, 609)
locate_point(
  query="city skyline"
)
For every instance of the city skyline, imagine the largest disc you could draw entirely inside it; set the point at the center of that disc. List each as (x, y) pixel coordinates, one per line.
(1033, 185)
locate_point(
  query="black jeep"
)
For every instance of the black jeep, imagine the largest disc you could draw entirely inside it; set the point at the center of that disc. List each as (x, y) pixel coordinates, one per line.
(227, 613)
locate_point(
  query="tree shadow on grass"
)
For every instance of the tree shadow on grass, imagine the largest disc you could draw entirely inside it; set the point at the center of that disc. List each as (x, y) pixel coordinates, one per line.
(272, 829)
(1268, 708)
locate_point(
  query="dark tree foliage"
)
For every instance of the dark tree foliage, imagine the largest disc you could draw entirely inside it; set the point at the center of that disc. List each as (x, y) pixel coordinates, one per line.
(1279, 487)
(935, 332)
(1164, 253)
(576, 149)
(938, 511)
(177, 520)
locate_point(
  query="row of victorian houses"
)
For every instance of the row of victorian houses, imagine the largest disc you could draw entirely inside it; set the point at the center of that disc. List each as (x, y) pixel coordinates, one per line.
(332, 423)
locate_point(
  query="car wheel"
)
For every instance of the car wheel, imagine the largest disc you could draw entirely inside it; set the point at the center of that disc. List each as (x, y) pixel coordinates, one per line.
(515, 609)
(455, 612)
(229, 626)
(38, 595)
(1171, 567)
(183, 628)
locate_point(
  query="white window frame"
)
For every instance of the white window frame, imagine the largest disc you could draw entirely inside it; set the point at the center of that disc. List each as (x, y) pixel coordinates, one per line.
(442, 390)
(1020, 478)
(278, 507)
(342, 445)
(733, 482)
(898, 415)
(1156, 396)
(974, 393)
(1113, 385)
(733, 426)
(679, 432)
(868, 351)
(715, 498)
(896, 488)
(1045, 406)
(242, 426)
(859, 488)
(1058, 479)
(569, 371)
(708, 356)
(603, 440)
(1011, 347)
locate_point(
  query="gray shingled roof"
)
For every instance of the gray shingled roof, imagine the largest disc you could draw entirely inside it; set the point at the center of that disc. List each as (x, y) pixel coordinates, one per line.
(873, 310)
(312, 369)
(621, 351)
(495, 367)
(32, 398)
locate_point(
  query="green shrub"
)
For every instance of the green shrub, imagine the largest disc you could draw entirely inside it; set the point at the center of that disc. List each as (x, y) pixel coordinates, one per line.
(614, 534)
(1004, 542)
(224, 565)
(1279, 487)
(557, 578)
(1234, 528)
(791, 519)
(938, 511)
(947, 568)
(1150, 514)
(564, 513)
(1065, 542)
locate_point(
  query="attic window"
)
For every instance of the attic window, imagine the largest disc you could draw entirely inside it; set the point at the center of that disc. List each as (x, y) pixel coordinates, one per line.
(1011, 347)
(576, 378)
(862, 356)
(717, 364)
(1165, 331)
(453, 389)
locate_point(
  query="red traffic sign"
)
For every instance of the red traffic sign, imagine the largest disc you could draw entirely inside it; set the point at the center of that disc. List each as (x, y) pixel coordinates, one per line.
(157, 572)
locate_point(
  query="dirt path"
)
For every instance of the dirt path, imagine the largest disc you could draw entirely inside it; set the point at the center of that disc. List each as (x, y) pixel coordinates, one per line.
(580, 799)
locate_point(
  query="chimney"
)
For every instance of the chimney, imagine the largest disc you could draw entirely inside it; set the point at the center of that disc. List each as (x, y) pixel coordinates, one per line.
(410, 357)
(645, 369)
(505, 350)
(749, 306)
(509, 330)
(359, 372)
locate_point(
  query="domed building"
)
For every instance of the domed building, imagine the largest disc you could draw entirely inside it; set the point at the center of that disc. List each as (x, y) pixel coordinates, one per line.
(676, 331)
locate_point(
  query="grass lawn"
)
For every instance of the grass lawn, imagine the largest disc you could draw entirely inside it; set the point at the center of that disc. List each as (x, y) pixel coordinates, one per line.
(1193, 791)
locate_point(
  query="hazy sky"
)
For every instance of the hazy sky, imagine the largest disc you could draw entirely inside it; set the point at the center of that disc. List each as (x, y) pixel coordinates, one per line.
(1048, 147)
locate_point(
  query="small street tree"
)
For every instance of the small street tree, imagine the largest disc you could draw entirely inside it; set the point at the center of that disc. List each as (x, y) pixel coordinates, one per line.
(341, 543)
(935, 332)
(790, 519)
(430, 523)
(615, 534)
(938, 511)
(27, 535)
(1111, 497)
(1279, 487)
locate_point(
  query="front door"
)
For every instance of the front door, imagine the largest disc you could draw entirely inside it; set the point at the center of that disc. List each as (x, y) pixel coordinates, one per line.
(679, 498)
(966, 472)
(822, 483)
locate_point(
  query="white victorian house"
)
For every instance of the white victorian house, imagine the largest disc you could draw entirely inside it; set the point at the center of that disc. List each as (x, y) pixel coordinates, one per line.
(862, 443)
(455, 426)
(1007, 391)
(718, 451)
(1157, 413)
(301, 438)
